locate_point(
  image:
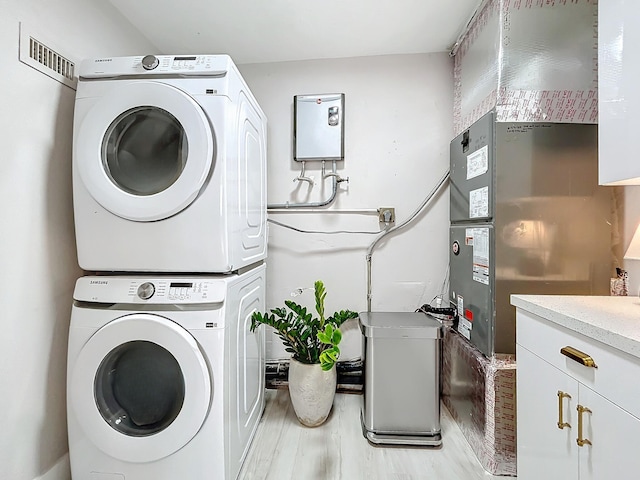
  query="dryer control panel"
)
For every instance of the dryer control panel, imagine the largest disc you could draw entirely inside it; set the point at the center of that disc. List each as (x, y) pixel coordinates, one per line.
(150, 290)
(150, 65)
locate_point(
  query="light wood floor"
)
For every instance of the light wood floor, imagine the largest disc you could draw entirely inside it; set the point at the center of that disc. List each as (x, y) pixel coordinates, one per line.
(283, 449)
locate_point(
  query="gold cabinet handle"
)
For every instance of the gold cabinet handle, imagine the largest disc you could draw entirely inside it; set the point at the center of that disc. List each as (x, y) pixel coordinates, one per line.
(582, 441)
(561, 422)
(578, 356)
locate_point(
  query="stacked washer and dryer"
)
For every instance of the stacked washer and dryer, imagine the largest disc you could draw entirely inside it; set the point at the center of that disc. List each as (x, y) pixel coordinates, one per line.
(165, 379)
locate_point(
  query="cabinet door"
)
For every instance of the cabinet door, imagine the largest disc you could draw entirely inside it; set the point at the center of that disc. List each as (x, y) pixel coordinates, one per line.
(544, 450)
(614, 435)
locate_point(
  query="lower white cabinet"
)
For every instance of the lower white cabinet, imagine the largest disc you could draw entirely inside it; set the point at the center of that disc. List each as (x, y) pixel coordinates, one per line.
(569, 426)
(544, 451)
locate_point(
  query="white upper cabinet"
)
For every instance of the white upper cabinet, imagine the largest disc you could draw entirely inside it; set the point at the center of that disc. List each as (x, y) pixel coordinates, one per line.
(618, 95)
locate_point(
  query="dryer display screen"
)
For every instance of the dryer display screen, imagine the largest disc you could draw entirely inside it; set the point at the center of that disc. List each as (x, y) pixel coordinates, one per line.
(180, 285)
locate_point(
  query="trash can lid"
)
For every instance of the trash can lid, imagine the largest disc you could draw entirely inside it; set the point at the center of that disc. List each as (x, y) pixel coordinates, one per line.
(399, 325)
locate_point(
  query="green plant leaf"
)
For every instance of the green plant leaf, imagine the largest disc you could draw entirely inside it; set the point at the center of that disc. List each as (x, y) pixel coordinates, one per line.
(332, 355)
(338, 318)
(329, 357)
(328, 336)
(320, 294)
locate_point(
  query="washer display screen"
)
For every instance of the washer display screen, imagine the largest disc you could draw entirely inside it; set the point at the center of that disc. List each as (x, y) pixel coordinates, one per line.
(139, 388)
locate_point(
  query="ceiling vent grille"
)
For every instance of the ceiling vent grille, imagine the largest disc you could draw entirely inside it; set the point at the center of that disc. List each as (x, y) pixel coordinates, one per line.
(46, 59)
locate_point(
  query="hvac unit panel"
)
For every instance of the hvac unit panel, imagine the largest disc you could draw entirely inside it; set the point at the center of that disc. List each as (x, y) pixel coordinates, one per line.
(472, 160)
(472, 282)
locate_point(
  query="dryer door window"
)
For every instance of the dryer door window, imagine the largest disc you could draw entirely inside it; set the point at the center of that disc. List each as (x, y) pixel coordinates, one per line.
(140, 388)
(144, 150)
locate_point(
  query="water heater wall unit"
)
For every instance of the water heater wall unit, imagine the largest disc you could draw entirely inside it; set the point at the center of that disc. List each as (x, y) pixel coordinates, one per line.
(318, 128)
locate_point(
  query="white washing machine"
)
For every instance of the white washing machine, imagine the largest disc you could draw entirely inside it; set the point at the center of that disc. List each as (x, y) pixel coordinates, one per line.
(164, 379)
(169, 166)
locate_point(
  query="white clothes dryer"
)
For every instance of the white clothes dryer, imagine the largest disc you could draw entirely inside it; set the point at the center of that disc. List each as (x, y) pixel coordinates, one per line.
(169, 166)
(164, 378)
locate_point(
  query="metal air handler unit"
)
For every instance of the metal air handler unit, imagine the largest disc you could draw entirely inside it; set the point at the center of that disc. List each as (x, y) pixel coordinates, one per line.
(401, 402)
(528, 217)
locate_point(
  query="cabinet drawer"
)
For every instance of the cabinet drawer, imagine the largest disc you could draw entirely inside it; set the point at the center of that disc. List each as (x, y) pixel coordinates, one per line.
(615, 377)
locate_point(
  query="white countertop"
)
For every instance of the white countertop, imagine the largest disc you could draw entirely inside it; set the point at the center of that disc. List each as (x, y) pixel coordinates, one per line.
(614, 321)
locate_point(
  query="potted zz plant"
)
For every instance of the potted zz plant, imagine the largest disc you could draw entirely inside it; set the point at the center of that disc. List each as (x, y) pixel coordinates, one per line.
(313, 344)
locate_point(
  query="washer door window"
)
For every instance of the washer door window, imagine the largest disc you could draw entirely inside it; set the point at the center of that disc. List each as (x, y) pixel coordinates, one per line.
(140, 388)
(144, 150)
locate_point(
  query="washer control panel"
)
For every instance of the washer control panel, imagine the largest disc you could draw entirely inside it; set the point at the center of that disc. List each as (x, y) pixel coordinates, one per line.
(150, 290)
(174, 291)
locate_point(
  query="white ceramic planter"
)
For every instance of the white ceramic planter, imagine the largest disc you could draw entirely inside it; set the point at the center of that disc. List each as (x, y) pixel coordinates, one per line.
(311, 390)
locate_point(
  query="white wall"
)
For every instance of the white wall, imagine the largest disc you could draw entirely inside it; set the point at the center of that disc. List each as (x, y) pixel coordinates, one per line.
(37, 249)
(398, 114)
